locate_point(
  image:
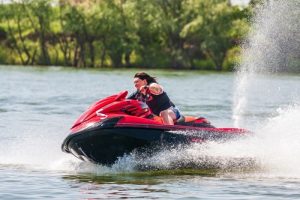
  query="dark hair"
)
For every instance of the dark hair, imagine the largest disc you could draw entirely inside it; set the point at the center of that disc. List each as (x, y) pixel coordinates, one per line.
(143, 76)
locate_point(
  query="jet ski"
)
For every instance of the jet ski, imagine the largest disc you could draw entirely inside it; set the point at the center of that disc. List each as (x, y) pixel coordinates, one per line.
(115, 126)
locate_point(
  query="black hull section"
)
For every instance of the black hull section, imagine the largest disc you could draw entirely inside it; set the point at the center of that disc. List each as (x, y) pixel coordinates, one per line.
(104, 146)
(104, 142)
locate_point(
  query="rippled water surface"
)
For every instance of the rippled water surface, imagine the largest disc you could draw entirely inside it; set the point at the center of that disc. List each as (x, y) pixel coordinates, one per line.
(38, 106)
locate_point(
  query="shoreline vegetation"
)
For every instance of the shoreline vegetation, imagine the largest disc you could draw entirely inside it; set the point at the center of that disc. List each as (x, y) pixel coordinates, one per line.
(118, 34)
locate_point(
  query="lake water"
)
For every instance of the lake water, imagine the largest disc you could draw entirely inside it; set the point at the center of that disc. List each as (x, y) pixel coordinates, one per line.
(38, 106)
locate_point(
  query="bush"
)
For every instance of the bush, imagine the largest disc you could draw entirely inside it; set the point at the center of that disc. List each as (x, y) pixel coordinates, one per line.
(3, 34)
(3, 55)
(204, 64)
(233, 57)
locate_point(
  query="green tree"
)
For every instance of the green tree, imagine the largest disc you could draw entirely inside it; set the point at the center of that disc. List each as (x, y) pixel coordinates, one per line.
(148, 46)
(215, 29)
(18, 28)
(173, 21)
(39, 13)
(120, 39)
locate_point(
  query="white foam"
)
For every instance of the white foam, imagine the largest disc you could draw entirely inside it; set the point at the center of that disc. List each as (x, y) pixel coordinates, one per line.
(264, 101)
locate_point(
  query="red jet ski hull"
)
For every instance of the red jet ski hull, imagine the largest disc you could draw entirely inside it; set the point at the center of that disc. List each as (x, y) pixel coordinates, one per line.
(102, 138)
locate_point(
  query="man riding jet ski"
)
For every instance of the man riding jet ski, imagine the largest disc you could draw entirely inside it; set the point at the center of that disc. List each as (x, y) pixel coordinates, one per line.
(115, 126)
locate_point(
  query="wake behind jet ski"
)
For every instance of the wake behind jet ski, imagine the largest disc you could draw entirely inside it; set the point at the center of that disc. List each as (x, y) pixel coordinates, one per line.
(115, 126)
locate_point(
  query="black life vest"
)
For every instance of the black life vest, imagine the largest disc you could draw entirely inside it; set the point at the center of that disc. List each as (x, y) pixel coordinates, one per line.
(156, 103)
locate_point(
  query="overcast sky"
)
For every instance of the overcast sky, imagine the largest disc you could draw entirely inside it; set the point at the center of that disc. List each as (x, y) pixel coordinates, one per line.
(241, 2)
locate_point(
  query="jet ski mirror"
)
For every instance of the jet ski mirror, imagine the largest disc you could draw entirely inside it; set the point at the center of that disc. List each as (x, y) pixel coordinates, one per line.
(122, 95)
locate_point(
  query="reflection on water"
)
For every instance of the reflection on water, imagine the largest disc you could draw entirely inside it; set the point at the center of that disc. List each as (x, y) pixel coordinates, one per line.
(140, 177)
(129, 185)
(113, 179)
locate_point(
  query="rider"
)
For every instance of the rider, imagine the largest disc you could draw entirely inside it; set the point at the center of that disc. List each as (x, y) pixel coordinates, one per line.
(150, 92)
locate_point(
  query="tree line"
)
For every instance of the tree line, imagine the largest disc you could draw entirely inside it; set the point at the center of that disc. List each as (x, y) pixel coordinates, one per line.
(179, 34)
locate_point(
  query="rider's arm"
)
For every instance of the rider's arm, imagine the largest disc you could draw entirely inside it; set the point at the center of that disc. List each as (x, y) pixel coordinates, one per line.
(155, 89)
